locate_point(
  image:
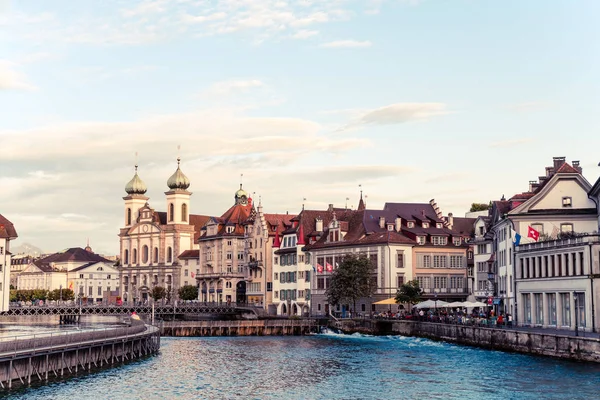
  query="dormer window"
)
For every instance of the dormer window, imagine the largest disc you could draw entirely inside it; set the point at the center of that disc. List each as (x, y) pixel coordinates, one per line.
(438, 240)
(438, 225)
(410, 224)
(230, 229)
(390, 227)
(421, 240)
(425, 224)
(567, 202)
(456, 241)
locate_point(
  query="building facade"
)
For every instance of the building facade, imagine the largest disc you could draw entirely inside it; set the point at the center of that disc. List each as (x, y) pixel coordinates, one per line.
(222, 276)
(151, 241)
(7, 233)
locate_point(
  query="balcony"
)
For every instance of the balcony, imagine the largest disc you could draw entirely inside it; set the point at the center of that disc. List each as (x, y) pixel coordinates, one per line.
(217, 275)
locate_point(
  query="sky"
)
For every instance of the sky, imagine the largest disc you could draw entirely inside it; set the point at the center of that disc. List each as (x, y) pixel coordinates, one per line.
(460, 101)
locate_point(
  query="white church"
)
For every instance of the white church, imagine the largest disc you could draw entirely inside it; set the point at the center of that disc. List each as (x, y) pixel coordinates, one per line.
(152, 240)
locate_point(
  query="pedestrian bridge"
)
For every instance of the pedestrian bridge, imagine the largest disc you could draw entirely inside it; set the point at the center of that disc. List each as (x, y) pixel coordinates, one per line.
(158, 309)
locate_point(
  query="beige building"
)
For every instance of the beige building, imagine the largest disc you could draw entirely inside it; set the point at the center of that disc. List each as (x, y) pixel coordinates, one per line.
(151, 241)
(7, 233)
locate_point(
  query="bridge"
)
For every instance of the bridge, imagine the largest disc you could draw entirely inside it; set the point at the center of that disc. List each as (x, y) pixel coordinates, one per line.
(72, 310)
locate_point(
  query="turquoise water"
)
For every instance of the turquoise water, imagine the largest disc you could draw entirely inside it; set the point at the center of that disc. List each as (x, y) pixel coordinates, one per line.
(328, 366)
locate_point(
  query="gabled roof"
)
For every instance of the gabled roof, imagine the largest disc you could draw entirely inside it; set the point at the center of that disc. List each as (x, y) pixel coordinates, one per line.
(236, 216)
(464, 226)
(74, 254)
(189, 254)
(84, 266)
(283, 221)
(7, 229)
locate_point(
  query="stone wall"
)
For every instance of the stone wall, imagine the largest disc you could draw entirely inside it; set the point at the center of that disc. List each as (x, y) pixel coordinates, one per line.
(570, 347)
(238, 328)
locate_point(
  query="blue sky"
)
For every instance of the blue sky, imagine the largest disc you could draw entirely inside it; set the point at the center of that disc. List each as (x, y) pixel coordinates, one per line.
(461, 101)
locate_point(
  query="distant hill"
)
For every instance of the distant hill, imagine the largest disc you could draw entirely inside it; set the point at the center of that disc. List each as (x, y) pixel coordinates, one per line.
(26, 248)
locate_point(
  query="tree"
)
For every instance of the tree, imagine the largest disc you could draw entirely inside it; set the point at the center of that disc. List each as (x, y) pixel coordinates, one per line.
(479, 207)
(158, 292)
(67, 294)
(351, 280)
(39, 294)
(188, 292)
(409, 292)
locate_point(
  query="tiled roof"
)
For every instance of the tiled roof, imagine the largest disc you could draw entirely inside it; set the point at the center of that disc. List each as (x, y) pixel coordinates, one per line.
(283, 221)
(566, 168)
(464, 226)
(7, 229)
(189, 254)
(75, 254)
(84, 266)
(198, 221)
(236, 216)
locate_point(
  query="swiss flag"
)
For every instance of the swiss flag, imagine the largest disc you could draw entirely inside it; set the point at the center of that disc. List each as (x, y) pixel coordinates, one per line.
(193, 275)
(319, 268)
(532, 233)
(329, 267)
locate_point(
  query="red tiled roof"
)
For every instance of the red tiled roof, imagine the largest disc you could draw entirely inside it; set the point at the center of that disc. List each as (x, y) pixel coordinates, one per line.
(198, 221)
(7, 229)
(283, 221)
(190, 254)
(566, 168)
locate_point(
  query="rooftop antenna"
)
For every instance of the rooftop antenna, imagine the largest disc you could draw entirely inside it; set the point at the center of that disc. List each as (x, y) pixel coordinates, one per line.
(347, 198)
(241, 180)
(303, 201)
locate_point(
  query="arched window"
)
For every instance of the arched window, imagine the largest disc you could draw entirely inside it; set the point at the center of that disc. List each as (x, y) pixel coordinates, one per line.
(126, 257)
(134, 258)
(169, 255)
(129, 216)
(155, 255)
(184, 212)
(145, 254)
(171, 212)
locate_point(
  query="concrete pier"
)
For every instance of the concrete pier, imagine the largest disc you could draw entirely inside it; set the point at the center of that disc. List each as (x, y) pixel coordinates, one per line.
(42, 356)
(239, 328)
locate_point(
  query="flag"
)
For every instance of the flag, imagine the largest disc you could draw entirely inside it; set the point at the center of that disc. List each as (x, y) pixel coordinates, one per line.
(314, 269)
(193, 275)
(517, 239)
(71, 285)
(319, 268)
(329, 267)
(532, 233)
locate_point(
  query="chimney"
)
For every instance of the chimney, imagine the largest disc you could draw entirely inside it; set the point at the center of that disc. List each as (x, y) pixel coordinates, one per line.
(558, 162)
(549, 172)
(577, 166)
(318, 224)
(450, 221)
(382, 222)
(330, 208)
(398, 224)
(532, 185)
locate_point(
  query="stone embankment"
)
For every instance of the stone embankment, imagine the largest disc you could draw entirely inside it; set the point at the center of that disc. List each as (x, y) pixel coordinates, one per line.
(239, 328)
(535, 343)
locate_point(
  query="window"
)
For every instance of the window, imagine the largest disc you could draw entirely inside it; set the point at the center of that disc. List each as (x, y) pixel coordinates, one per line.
(421, 240)
(565, 305)
(91, 276)
(184, 212)
(580, 308)
(90, 289)
(410, 224)
(276, 260)
(229, 255)
(99, 290)
(527, 307)
(538, 227)
(567, 201)
(171, 212)
(145, 254)
(129, 216)
(169, 254)
(425, 224)
(390, 227)
(481, 248)
(107, 276)
(80, 276)
(457, 241)
(400, 259)
(439, 261)
(135, 256)
(566, 228)
(185, 272)
(551, 308)
(539, 309)
(456, 262)
(156, 254)
(276, 276)
(438, 240)
(276, 294)
(438, 225)
(400, 280)
(424, 282)
(229, 242)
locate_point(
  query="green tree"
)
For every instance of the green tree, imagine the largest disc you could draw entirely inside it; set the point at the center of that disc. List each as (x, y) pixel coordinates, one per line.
(67, 294)
(351, 280)
(39, 294)
(188, 292)
(13, 295)
(158, 292)
(409, 292)
(479, 207)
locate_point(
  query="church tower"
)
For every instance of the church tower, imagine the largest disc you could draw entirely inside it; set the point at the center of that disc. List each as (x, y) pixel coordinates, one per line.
(178, 198)
(135, 198)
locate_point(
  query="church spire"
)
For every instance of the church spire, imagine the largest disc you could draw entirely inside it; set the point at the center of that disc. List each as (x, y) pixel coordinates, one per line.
(361, 203)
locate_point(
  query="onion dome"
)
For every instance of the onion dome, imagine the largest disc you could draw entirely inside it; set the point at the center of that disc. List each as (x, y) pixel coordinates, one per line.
(178, 180)
(136, 185)
(241, 196)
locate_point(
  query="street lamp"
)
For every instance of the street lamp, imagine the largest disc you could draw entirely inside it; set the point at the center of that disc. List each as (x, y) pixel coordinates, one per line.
(60, 294)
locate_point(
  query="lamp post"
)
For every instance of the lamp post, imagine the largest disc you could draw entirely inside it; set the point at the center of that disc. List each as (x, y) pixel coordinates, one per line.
(60, 297)
(576, 317)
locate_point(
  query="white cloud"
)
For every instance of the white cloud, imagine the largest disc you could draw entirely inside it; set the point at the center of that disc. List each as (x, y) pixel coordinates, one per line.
(512, 142)
(345, 44)
(10, 78)
(304, 34)
(397, 114)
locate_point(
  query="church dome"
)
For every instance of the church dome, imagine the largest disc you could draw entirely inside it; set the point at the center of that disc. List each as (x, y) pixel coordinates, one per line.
(241, 196)
(136, 185)
(178, 180)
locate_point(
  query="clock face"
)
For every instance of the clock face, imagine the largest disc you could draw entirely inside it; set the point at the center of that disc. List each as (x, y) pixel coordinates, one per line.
(145, 228)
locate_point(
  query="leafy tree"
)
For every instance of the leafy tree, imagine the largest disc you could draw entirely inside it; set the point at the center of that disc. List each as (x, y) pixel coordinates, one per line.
(39, 294)
(409, 292)
(351, 280)
(158, 292)
(188, 292)
(479, 207)
(67, 294)
(13, 295)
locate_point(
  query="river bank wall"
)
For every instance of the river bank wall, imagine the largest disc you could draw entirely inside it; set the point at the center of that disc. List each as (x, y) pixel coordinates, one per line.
(535, 343)
(238, 328)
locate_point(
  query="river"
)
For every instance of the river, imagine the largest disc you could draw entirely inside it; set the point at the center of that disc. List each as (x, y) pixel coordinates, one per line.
(328, 366)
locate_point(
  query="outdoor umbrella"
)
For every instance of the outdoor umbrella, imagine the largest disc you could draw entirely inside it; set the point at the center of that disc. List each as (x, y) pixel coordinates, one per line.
(455, 304)
(471, 304)
(391, 300)
(430, 304)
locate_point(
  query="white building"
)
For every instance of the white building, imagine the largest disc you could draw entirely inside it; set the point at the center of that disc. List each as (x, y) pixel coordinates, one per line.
(151, 241)
(554, 275)
(93, 280)
(7, 233)
(483, 259)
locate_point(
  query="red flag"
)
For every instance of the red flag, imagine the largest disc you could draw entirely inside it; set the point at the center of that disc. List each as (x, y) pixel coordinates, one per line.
(329, 267)
(193, 275)
(532, 233)
(319, 268)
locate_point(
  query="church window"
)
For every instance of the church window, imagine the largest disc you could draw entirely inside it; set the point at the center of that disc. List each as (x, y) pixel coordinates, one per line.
(129, 216)
(169, 255)
(156, 254)
(171, 212)
(145, 254)
(184, 212)
(126, 257)
(134, 256)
